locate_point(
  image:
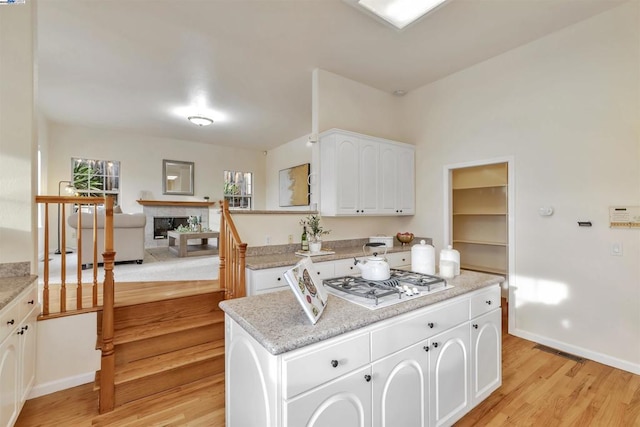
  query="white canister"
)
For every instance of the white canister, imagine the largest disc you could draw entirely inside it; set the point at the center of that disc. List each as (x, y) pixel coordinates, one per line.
(447, 269)
(423, 258)
(453, 255)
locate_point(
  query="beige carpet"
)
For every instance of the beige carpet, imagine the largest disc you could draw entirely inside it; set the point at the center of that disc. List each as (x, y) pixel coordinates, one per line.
(158, 265)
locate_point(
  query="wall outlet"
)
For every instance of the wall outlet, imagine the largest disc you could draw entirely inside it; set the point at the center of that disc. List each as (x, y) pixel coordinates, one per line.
(267, 240)
(290, 238)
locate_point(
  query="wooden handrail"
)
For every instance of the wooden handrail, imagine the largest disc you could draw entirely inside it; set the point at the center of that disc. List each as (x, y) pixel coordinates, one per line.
(232, 256)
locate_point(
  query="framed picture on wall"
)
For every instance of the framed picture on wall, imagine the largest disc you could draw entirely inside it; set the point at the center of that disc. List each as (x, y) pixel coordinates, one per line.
(294, 186)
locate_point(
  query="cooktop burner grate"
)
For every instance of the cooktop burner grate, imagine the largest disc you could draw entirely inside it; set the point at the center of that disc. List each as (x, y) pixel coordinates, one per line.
(377, 289)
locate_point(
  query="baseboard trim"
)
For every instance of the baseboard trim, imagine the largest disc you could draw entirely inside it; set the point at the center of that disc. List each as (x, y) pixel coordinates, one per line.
(61, 384)
(579, 351)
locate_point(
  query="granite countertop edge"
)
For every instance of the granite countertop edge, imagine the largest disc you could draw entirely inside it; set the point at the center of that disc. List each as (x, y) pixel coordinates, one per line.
(260, 262)
(11, 287)
(279, 324)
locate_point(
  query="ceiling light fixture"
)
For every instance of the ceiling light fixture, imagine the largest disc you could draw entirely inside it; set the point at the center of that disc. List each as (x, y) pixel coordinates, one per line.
(200, 120)
(399, 13)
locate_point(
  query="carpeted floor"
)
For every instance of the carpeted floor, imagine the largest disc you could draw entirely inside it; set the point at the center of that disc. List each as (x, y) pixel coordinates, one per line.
(158, 265)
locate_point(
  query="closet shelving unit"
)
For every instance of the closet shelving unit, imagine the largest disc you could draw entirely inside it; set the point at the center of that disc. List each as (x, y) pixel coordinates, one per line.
(480, 217)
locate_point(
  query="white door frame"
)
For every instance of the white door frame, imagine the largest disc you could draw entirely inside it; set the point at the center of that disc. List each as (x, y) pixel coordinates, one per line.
(509, 284)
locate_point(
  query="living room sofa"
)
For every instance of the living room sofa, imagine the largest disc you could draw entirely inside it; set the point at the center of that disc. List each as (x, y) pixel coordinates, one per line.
(128, 236)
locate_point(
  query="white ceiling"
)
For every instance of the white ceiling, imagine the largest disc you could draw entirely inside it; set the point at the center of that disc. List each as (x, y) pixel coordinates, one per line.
(138, 65)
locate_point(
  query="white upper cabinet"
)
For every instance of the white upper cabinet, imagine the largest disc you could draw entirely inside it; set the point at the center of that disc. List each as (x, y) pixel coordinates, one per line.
(363, 175)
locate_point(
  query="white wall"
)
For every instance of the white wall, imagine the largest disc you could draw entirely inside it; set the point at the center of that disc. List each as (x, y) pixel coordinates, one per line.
(342, 103)
(17, 135)
(254, 229)
(67, 356)
(292, 153)
(567, 108)
(141, 162)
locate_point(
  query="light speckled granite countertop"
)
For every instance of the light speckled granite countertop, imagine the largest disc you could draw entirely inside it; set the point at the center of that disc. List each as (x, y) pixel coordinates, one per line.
(259, 262)
(277, 321)
(10, 287)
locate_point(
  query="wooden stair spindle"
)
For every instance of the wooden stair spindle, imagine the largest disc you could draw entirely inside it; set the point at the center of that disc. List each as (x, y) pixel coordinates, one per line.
(107, 365)
(45, 290)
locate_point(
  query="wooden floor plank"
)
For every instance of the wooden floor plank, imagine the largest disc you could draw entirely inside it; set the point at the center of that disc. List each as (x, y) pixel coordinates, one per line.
(539, 389)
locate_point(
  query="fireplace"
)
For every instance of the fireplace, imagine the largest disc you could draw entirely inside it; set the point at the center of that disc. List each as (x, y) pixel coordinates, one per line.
(162, 224)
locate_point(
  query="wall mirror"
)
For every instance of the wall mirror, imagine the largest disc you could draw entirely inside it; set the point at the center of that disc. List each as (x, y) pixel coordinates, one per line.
(177, 177)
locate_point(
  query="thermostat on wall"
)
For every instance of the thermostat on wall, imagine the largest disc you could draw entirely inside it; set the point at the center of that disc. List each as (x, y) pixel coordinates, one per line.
(624, 217)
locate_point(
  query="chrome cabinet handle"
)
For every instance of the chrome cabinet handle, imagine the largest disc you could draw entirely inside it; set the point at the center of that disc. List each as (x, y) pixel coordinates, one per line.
(430, 325)
(334, 363)
(367, 377)
(435, 344)
(11, 322)
(475, 326)
(426, 348)
(488, 302)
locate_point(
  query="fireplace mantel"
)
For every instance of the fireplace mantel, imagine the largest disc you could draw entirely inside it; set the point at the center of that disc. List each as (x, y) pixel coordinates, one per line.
(185, 204)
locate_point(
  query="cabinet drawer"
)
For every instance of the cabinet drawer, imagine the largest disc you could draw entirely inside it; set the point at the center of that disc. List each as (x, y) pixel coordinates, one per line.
(485, 301)
(345, 267)
(9, 319)
(398, 259)
(261, 280)
(28, 301)
(324, 270)
(310, 368)
(406, 332)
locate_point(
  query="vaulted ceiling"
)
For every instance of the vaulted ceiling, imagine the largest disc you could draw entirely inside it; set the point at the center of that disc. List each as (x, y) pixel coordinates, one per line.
(143, 66)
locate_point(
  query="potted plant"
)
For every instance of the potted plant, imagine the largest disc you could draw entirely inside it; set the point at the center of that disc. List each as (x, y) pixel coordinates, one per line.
(315, 231)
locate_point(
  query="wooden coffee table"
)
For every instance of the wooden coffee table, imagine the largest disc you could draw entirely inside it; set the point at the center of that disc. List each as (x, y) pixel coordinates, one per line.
(179, 243)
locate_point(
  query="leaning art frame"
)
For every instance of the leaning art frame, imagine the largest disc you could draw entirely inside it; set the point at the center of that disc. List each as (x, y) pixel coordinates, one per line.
(294, 188)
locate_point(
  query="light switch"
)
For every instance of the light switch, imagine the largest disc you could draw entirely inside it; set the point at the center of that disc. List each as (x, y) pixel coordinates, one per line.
(616, 249)
(545, 211)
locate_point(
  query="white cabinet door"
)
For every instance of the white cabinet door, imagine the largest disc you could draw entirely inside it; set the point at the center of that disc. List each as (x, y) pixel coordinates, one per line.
(347, 175)
(27, 351)
(486, 343)
(388, 179)
(9, 380)
(368, 177)
(405, 200)
(397, 180)
(400, 385)
(343, 402)
(449, 363)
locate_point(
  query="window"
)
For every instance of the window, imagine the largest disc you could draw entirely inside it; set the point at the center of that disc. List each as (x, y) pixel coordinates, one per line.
(96, 178)
(238, 189)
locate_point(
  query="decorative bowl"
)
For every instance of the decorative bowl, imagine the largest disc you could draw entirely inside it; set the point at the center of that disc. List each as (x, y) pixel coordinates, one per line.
(404, 238)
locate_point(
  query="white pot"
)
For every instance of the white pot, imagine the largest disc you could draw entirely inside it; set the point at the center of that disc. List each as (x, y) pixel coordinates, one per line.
(315, 247)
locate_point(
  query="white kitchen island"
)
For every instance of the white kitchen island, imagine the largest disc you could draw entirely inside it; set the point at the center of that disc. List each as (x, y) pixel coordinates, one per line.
(425, 362)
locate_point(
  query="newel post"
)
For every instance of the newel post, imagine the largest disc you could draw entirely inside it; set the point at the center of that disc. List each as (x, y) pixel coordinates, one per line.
(107, 365)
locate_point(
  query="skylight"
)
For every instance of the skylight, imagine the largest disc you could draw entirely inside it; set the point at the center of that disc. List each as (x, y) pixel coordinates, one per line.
(398, 13)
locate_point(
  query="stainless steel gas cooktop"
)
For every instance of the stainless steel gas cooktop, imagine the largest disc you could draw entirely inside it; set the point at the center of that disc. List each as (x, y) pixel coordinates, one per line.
(372, 294)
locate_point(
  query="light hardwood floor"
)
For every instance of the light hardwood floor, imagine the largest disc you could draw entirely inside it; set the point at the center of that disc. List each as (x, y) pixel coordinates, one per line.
(538, 389)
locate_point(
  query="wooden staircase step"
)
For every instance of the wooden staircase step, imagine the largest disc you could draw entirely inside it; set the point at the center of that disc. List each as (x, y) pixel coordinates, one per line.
(135, 347)
(155, 374)
(132, 293)
(167, 327)
(166, 310)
